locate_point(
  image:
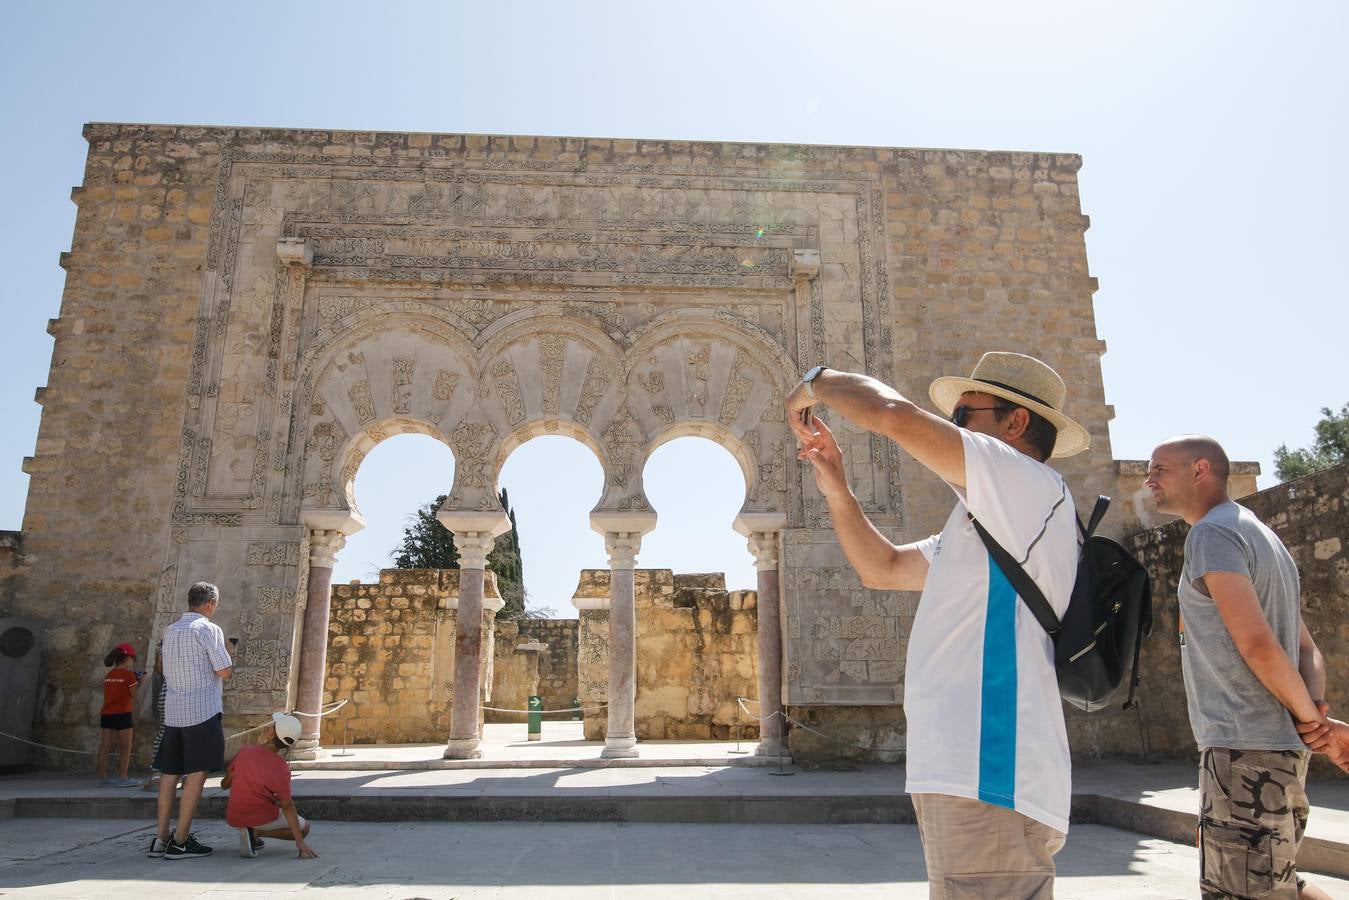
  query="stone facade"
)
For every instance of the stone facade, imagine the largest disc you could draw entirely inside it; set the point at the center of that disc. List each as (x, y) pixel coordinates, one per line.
(695, 655)
(1311, 516)
(391, 656)
(247, 312)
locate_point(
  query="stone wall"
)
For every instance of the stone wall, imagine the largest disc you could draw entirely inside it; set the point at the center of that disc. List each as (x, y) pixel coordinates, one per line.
(11, 557)
(391, 655)
(557, 684)
(1311, 516)
(696, 653)
(248, 312)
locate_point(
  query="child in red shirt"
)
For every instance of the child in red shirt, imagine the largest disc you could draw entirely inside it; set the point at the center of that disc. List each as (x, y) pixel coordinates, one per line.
(260, 803)
(119, 696)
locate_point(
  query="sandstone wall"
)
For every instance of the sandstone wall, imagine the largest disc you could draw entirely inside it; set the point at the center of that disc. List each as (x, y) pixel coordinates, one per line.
(247, 312)
(1311, 516)
(96, 525)
(391, 655)
(557, 683)
(696, 654)
(11, 558)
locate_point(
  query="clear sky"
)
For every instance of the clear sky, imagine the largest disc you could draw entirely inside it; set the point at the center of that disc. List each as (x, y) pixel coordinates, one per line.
(1212, 138)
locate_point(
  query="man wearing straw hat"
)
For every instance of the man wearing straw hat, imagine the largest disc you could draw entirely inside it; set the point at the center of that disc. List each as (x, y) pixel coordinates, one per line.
(987, 751)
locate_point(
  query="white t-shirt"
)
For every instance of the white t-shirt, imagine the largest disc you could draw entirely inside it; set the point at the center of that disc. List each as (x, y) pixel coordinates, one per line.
(980, 695)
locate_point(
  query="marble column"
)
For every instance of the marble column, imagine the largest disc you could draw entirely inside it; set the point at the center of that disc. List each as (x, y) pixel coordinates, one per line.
(761, 531)
(620, 739)
(473, 547)
(324, 545)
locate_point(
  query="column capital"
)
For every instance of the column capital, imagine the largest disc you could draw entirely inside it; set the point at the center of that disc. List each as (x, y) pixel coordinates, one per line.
(763, 546)
(761, 532)
(622, 547)
(473, 547)
(324, 545)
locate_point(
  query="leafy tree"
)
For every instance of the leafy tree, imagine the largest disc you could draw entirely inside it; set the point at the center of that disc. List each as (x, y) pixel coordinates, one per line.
(1330, 448)
(427, 544)
(505, 561)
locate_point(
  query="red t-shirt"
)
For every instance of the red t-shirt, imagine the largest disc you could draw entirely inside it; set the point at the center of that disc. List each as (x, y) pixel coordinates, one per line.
(256, 774)
(117, 691)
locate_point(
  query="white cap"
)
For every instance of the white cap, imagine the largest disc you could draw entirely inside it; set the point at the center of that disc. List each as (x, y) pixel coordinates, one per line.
(287, 727)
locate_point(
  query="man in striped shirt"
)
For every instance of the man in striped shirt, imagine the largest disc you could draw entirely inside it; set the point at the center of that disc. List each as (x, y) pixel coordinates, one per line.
(196, 662)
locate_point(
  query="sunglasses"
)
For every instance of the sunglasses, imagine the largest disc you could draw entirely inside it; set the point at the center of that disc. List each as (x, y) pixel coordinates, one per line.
(961, 414)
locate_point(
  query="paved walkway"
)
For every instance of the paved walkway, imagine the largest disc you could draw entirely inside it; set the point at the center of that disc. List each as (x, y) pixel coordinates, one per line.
(544, 819)
(513, 861)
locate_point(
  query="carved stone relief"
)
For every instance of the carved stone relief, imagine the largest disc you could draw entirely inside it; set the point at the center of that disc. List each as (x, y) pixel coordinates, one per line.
(843, 643)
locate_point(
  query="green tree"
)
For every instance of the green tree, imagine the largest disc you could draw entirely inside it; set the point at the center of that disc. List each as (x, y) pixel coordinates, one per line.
(1330, 448)
(427, 544)
(505, 561)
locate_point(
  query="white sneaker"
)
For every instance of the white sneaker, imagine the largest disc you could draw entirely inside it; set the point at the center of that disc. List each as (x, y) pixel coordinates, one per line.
(248, 845)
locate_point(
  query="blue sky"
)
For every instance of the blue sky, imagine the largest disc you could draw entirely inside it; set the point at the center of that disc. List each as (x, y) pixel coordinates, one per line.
(1211, 135)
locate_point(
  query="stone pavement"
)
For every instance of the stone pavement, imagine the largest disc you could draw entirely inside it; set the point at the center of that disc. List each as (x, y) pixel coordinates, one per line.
(512, 861)
(549, 820)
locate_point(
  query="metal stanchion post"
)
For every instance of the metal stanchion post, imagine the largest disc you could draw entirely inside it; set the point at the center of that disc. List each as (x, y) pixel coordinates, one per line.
(782, 741)
(346, 728)
(738, 728)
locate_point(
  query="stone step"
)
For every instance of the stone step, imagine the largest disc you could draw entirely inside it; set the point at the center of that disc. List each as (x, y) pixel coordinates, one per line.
(1325, 855)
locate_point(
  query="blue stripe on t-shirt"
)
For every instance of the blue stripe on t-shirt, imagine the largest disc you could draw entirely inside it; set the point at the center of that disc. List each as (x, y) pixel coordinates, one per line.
(997, 714)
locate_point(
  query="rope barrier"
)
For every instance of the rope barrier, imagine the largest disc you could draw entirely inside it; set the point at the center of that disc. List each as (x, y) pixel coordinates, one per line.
(15, 737)
(525, 711)
(318, 715)
(774, 714)
(326, 712)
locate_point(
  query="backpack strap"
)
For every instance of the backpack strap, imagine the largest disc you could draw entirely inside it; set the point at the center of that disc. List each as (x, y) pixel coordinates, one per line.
(1097, 514)
(1026, 587)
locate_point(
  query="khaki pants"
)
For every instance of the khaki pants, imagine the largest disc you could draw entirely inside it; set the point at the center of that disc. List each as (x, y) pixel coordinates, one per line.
(1252, 815)
(977, 850)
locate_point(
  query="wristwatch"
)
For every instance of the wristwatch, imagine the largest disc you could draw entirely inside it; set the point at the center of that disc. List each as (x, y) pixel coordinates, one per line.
(809, 377)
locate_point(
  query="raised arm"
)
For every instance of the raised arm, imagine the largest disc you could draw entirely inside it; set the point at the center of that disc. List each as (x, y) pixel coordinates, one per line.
(879, 408)
(880, 564)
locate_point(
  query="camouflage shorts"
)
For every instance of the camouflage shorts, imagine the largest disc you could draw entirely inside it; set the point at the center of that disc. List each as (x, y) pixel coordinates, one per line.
(1253, 812)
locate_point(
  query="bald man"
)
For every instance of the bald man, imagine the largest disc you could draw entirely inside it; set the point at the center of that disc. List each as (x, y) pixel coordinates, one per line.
(1253, 675)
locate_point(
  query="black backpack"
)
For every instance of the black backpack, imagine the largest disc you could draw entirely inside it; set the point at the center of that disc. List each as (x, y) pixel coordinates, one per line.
(1107, 618)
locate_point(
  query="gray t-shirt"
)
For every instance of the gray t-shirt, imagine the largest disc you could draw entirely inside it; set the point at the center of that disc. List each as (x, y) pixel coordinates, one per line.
(1229, 707)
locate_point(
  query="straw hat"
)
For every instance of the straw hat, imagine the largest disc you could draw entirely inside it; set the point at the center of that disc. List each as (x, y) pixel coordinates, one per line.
(1023, 380)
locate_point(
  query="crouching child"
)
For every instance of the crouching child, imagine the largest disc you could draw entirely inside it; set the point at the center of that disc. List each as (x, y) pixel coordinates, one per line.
(260, 803)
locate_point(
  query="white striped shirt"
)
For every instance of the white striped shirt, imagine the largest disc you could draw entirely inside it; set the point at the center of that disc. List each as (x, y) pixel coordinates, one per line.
(194, 649)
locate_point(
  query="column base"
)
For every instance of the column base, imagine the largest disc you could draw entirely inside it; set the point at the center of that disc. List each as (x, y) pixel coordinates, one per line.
(462, 748)
(620, 747)
(305, 748)
(773, 748)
